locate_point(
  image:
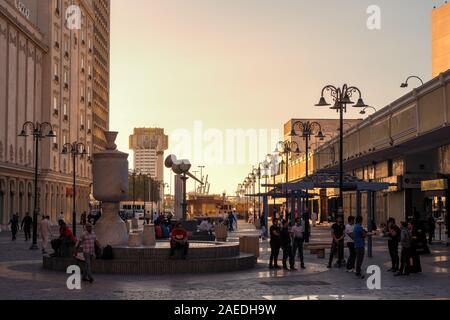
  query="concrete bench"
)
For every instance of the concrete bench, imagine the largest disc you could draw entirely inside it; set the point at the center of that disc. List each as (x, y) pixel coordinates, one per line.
(317, 249)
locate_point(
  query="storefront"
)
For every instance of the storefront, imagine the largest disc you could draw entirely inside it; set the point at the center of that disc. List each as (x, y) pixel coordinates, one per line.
(437, 195)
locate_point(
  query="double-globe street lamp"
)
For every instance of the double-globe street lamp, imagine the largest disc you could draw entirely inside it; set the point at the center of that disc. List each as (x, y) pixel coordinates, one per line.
(37, 130)
(287, 149)
(342, 98)
(307, 129)
(252, 180)
(76, 149)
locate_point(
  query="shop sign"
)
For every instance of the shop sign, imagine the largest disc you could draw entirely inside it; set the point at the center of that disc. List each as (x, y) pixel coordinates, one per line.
(435, 185)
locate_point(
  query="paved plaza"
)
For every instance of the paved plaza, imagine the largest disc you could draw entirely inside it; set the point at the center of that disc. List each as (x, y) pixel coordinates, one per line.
(22, 277)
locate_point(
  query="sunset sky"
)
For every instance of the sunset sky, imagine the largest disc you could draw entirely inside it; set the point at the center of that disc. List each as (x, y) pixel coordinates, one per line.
(254, 64)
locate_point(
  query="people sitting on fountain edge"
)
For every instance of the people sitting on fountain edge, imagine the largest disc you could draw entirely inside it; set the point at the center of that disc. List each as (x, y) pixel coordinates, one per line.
(64, 245)
(206, 226)
(179, 241)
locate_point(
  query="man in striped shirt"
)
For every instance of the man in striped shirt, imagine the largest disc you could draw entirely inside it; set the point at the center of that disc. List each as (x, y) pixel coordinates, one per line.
(88, 241)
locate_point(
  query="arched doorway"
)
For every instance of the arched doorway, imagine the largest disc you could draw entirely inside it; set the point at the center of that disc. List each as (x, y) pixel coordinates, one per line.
(2, 202)
(21, 199)
(30, 203)
(12, 198)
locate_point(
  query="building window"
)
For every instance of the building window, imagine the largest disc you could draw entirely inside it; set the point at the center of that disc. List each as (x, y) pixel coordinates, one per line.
(55, 105)
(66, 48)
(66, 116)
(57, 7)
(82, 64)
(66, 79)
(56, 71)
(56, 38)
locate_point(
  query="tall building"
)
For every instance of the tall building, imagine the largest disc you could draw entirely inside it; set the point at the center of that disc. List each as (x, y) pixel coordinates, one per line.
(53, 59)
(102, 13)
(440, 35)
(148, 145)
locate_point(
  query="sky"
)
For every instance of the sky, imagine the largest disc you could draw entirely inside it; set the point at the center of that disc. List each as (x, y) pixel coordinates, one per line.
(207, 70)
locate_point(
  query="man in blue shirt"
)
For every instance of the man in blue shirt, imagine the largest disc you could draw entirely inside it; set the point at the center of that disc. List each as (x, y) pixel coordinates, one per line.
(359, 235)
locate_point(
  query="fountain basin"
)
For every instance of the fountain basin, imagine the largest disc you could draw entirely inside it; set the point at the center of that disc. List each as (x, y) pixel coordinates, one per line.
(203, 257)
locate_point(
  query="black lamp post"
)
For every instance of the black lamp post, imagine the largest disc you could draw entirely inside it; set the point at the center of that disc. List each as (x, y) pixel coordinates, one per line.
(307, 130)
(76, 149)
(287, 148)
(37, 131)
(342, 98)
(272, 160)
(406, 83)
(134, 173)
(257, 173)
(252, 178)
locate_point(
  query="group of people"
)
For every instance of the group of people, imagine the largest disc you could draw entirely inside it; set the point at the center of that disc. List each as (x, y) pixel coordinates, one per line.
(353, 234)
(409, 260)
(290, 240)
(24, 225)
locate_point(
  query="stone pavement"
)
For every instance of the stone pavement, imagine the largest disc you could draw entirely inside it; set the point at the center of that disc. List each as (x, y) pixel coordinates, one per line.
(22, 277)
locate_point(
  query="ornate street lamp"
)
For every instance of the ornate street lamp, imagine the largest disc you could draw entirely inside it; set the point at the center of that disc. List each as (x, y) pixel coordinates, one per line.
(37, 130)
(307, 130)
(406, 83)
(287, 149)
(76, 149)
(342, 98)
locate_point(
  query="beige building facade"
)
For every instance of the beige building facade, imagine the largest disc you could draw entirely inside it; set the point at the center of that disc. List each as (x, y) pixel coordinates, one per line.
(440, 34)
(52, 60)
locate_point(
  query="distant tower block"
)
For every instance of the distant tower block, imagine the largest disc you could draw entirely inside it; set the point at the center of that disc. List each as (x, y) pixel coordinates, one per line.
(149, 145)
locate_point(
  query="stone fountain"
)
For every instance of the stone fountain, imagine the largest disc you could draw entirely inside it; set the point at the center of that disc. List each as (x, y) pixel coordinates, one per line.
(110, 186)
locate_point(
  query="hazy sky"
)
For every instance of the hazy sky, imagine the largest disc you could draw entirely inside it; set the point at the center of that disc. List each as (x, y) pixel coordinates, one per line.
(254, 64)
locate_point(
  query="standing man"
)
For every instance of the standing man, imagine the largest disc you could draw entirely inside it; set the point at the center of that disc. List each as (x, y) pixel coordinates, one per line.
(26, 224)
(45, 233)
(406, 242)
(14, 222)
(61, 217)
(359, 235)
(394, 239)
(275, 244)
(337, 233)
(298, 231)
(88, 240)
(350, 244)
(287, 246)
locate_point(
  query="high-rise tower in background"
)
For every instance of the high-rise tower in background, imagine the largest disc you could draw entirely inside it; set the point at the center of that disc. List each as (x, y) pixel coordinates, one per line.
(440, 35)
(149, 145)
